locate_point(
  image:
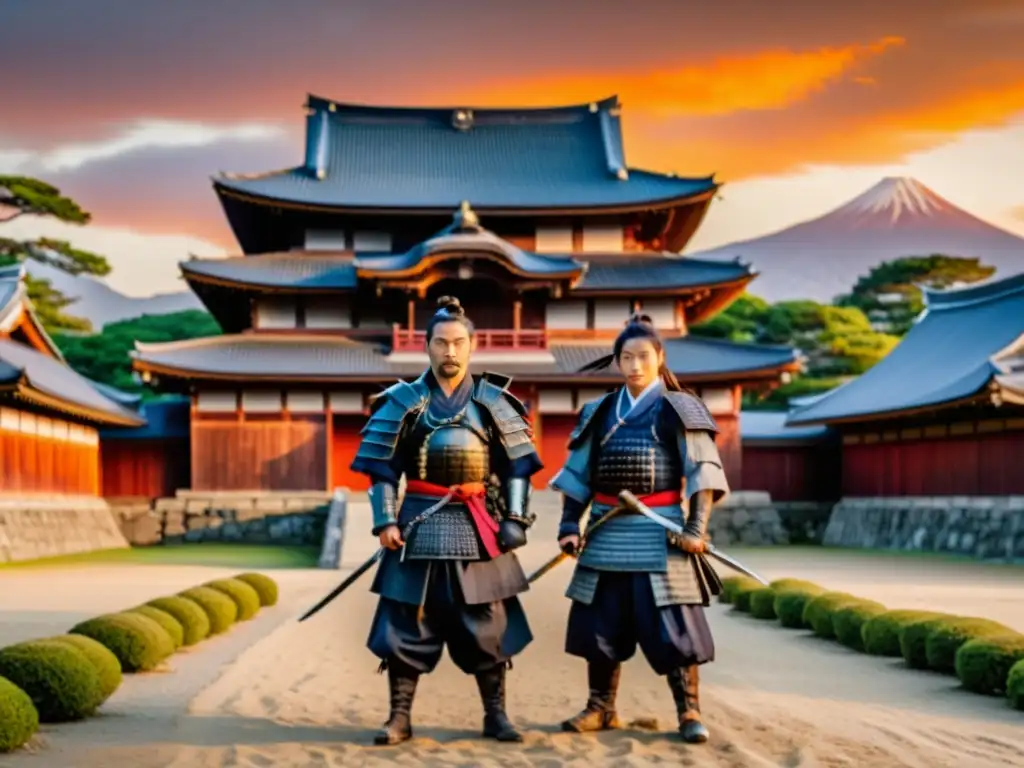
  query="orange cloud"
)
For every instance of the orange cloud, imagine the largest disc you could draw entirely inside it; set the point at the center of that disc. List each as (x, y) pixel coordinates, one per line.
(768, 79)
(786, 142)
(1017, 212)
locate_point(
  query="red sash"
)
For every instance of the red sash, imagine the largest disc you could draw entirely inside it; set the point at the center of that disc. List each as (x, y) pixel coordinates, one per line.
(659, 499)
(472, 495)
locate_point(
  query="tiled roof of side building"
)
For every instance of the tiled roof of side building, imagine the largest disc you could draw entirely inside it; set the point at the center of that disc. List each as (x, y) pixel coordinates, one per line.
(500, 159)
(770, 426)
(655, 270)
(335, 359)
(279, 270)
(961, 345)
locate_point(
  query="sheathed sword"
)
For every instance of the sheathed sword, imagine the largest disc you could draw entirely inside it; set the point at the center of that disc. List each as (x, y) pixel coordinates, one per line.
(631, 501)
(554, 561)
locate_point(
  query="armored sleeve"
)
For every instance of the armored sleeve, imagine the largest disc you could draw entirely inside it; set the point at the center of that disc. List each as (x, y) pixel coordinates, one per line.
(702, 464)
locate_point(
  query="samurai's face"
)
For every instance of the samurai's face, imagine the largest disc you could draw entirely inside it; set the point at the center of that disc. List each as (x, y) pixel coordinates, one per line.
(640, 362)
(449, 349)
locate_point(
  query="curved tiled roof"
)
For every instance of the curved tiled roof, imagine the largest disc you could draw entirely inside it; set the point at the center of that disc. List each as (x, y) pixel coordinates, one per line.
(271, 356)
(360, 156)
(951, 354)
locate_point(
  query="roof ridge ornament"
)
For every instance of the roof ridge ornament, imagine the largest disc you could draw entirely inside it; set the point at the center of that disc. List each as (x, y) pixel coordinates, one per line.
(462, 119)
(465, 219)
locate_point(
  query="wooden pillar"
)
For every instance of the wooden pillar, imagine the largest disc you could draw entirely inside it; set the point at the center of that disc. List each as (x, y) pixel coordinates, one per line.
(329, 438)
(411, 316)
(517, 317)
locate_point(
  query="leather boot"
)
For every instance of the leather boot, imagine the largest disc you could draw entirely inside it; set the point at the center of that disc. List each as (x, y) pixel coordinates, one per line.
(402, 685)
(684, 683)
(492, 693)
(599, 713)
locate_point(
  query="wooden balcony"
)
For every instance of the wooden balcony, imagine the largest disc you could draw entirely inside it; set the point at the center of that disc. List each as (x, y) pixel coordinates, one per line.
(487, 340)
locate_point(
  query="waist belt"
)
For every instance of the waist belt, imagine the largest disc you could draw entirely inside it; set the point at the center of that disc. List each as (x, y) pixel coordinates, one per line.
(659, 499)
(470, 494)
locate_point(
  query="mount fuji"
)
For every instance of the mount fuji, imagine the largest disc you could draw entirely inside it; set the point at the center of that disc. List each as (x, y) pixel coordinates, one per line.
(821, 258)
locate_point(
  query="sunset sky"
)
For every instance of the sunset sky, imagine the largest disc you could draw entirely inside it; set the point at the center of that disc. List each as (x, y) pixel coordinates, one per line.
(796, 105)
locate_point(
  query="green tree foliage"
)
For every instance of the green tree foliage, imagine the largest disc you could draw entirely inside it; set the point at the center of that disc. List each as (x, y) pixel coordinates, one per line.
(25, 196)
(104, 357)
(890, 294)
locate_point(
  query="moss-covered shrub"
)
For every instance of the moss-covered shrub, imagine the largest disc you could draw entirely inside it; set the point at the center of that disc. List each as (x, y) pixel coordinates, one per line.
(880, 634)
(60, 680)
(265, 587)
(983, 665)
(948, 635)
(19, 720)
(167, 622)
(246, 598)
(789, 606)
(103, 660)
(818, 611)
(732, 583)
(189, 614)
(220, 609)
(913, 637)
(1015, 685)
(139, 643)
(762, 603)
(848, 622)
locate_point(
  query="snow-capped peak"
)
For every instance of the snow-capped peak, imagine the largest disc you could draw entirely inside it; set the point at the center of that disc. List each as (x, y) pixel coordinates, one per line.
(897, 197)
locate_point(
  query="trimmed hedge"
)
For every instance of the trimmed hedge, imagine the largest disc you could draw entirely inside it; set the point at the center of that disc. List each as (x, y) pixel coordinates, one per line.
(220, 609)
(59, 679)
(265, 587)
(1015, 686)
(912, 641)
(762, 603)
(983, 665)
(946, 637)
(103, 660)
(246, 598)
(880, 635)
(785, 585)
(167, 622)
(848, 622)
(789, 606)
(19, 719)
(139, 643)
(818, 611)
(731, 584)
(194, 622)
(741, 595)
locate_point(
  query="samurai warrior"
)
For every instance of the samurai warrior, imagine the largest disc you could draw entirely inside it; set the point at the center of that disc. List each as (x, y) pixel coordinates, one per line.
(633, 583)
(454, 580)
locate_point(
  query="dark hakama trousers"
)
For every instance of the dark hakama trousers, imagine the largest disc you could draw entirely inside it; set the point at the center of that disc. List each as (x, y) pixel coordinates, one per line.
(478, 637)
(623, 615)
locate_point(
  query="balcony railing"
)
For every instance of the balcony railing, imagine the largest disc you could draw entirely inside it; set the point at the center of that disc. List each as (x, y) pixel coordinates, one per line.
(491, 340)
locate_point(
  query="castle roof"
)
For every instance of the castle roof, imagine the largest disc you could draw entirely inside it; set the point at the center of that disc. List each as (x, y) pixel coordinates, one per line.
(430, 159)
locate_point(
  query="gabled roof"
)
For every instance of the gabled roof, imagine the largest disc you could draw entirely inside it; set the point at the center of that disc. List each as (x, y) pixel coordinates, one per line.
(254, 356)
(967, 345)
(430, 159)
(760, 427)
(44, 378)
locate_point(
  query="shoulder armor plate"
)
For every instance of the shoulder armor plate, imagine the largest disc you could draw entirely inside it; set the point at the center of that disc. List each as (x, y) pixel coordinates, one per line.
(692, 411)
(586, 419)
(380, 435)
(509, 416)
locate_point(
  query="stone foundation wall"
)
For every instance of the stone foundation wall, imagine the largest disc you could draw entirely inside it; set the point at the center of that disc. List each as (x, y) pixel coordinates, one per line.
(287, 519)
(747, 518)
(985, 527)
(32, 528)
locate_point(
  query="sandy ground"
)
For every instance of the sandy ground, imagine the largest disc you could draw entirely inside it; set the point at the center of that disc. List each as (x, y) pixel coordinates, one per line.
(277, 693)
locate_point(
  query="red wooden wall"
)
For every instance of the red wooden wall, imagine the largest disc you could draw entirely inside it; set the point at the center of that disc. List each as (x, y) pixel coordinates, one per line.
(797, 472)
(47, 455)
(152, 469)
(989, 464)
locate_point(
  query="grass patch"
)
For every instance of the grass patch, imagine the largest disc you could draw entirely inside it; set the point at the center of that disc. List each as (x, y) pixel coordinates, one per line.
(209, 554)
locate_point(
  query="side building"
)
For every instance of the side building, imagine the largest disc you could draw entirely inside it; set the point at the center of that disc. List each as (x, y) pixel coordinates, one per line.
(932, 436)
(531, 217)
(50, 417)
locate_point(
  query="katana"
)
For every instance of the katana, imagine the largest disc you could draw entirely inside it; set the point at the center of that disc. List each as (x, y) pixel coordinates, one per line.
(632, 502)
(554, 561)
(352, 577)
